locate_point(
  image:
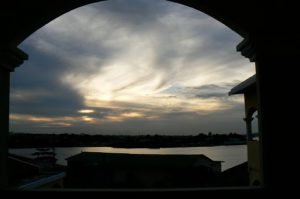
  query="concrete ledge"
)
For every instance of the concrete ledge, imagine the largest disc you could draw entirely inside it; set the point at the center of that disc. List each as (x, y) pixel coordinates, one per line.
(42, 182)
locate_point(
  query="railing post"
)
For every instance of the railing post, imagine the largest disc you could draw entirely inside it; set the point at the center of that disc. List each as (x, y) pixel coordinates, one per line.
(9, 59)
(249, 127)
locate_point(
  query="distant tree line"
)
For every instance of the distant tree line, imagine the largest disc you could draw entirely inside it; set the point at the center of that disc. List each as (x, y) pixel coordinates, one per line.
(27, 140)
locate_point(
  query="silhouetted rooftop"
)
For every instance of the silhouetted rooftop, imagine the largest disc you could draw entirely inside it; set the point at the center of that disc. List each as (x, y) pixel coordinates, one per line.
(141, 160)
(244, 86)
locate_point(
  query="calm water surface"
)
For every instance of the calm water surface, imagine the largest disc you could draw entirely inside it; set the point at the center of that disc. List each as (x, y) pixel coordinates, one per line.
(231, 155)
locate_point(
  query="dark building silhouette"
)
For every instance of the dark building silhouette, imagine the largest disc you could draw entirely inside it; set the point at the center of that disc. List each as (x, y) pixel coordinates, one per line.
(254, 154)
(29, 174)
(235, 176)
(117, 170)
(21, 168)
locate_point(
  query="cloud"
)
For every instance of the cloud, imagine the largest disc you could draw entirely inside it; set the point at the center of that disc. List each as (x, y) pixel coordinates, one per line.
(86, 111)
(36, 88)
(212, 92)
(134, 63)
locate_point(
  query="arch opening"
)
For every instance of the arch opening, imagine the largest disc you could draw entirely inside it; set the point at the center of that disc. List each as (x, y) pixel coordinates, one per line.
(85, 110)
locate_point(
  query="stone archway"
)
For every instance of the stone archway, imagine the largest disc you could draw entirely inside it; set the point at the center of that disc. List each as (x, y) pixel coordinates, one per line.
(21, 19)
(269, 42)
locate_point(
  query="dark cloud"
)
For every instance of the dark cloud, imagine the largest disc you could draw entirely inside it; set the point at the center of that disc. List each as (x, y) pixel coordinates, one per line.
(180, 44)
(212, 90)
(176, 123)
(36, 88)
(205, 91)
(138, 15)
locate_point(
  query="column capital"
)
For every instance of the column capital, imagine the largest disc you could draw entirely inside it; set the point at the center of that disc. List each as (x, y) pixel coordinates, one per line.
(11, 57)
(247, 49)
(268, 45)
(248, 119)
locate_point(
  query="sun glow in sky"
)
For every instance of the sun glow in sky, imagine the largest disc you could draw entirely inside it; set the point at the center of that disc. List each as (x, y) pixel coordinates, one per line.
(127, 67)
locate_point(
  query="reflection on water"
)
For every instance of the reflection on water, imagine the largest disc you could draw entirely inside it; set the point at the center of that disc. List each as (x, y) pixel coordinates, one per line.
(231, 155)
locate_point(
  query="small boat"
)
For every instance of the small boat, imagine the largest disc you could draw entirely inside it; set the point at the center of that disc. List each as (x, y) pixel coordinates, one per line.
(44, 157)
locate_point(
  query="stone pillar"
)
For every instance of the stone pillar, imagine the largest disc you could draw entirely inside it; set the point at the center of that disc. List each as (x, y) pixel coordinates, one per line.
(249, 127)
(248, 48)
(276, 60)
(275, 51)
(9, 59)
(4, 124)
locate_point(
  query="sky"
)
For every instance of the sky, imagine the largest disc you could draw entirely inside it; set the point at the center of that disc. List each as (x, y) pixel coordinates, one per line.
(130, 67)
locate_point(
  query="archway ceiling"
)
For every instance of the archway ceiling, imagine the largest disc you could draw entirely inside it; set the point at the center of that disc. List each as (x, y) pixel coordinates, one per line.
(19, 19)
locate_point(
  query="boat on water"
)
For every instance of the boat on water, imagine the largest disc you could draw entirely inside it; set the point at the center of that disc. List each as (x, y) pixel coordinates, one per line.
(45, 157)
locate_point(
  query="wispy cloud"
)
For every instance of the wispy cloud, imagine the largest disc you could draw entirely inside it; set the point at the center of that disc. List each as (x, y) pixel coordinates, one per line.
(128, 61)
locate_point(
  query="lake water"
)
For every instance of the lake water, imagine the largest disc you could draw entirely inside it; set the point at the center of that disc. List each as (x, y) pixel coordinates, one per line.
(231, 155)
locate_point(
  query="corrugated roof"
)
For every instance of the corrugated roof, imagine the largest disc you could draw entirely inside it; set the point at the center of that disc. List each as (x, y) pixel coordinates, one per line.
(243, 86)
